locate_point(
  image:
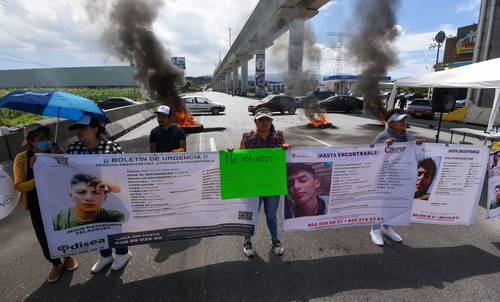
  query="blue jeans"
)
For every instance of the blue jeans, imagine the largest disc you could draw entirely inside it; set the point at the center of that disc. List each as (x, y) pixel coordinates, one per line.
(377, 226)
(119, 251)
(271, 204)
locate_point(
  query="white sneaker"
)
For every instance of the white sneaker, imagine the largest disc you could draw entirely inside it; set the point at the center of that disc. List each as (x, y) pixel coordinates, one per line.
(121, 261)
(277, 247)
(102, 263)
(389, 232)
(377, 237)
(248, 248)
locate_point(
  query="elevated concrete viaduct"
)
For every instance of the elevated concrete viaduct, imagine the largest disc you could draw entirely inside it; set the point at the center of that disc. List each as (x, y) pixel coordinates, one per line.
(269, 20)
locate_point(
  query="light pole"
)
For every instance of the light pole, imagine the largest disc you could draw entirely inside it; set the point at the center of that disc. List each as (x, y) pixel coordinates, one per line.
(439, 38)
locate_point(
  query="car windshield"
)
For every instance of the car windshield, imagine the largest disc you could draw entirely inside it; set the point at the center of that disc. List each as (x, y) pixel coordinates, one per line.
(421, 102)
(267, 98)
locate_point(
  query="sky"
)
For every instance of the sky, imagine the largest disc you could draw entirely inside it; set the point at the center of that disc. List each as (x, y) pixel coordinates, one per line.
(61, 33)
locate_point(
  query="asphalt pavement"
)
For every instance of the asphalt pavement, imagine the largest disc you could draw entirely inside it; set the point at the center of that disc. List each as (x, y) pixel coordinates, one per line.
(434, 263)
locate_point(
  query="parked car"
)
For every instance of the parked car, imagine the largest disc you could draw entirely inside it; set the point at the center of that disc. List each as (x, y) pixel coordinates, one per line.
(313, 96)
(276, 103)
(344, 103)
(115, 102)
(195, 104)
(420, 108)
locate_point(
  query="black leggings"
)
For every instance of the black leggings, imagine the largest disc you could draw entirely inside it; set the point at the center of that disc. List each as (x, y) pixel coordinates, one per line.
(36, 220)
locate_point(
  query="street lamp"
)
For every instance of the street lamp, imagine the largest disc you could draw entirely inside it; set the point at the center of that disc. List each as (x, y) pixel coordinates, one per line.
(439, 38)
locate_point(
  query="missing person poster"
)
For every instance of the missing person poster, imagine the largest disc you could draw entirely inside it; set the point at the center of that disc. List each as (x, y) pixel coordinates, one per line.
(8, 195)
(92, 202)
(493, 203)
(337, 187)
(449, 183)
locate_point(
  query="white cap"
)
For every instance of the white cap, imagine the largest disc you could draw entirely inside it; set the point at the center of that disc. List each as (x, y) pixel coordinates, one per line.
(163, 109)
(396, 117)
(263, 113)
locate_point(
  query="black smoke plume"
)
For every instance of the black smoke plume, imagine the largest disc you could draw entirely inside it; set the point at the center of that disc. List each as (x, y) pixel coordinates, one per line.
(371, 47)
(129, 36)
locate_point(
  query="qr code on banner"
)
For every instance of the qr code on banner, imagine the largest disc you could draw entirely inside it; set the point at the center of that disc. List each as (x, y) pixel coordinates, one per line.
(244, 215)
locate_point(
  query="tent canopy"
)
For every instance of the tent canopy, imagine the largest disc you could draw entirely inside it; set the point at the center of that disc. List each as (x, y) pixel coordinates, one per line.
(485, 74)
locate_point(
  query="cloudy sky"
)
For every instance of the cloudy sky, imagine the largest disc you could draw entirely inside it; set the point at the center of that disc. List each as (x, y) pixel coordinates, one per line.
(61, 33)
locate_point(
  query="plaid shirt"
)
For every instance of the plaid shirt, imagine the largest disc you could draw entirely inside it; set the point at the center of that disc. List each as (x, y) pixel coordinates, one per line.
(104, 147)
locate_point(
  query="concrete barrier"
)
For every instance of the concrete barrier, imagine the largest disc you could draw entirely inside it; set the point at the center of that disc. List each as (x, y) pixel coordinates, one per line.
(123, 120)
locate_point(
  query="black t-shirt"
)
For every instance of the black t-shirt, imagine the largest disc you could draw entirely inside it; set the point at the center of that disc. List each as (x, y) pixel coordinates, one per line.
(168, 139)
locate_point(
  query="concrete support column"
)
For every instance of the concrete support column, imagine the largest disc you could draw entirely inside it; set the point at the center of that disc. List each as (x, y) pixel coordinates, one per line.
(235, 79)
(244, 78)
(228, 82)
(260, 72)
(295, 57)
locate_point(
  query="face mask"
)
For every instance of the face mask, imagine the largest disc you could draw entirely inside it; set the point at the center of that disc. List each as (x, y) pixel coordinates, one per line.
(44, 145)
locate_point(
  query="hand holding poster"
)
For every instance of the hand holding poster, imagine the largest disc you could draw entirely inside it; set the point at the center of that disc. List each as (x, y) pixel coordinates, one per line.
(252, 172)
(8, 195)
(449, 183)
(333, 187)
(104, 201)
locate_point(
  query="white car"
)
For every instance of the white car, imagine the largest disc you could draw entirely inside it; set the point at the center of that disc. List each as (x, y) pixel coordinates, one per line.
(195, 104)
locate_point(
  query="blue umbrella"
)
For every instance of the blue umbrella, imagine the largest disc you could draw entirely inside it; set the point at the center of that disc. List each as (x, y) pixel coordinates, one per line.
(53, 103)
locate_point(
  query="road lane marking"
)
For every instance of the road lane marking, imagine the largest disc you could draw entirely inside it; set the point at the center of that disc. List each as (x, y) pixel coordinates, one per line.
(213, 147)
(200, 137)
(319, 141)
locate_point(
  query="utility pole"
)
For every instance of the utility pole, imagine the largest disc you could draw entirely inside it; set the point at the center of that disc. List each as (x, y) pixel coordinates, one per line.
(229, 30)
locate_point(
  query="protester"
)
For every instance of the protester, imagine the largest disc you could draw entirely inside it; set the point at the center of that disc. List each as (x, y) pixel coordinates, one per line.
(397, 122)
(495, 203)
(426, 171)
(167, 136)
(90, 133)
(88, 194)
(265, 136)
(303, 199)
(37, 139)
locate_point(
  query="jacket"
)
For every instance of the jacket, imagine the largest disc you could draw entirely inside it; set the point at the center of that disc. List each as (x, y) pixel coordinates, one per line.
(20, 167)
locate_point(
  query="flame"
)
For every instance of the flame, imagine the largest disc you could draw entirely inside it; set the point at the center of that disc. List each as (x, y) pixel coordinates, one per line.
(184, 119)
(317, 119)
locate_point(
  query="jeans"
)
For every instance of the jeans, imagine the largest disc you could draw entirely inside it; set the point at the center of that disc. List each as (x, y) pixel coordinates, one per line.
(119, 251)
(271, 204)
(377, 226)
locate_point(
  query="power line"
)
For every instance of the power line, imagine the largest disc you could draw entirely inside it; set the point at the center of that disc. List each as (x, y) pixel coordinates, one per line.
(25, 59)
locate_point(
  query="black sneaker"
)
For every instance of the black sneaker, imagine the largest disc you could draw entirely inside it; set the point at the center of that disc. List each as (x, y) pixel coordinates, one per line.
(247, 248)
(278, 248)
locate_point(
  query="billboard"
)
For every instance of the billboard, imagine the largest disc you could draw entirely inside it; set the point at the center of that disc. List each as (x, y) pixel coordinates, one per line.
(466, 41)
(180, 62)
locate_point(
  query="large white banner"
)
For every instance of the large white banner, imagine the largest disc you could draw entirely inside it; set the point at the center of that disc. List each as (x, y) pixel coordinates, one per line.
(336, 187)
(92, 202)
(449, 183)
(8, 195)
(493, 204)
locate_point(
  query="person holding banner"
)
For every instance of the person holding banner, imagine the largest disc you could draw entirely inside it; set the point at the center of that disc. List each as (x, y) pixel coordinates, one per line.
(167, 136)
(265, 136)
(397, 122)
(37, 139)
(90, 133)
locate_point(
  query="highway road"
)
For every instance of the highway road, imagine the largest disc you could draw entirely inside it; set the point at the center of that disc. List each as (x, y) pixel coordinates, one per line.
(434, 263)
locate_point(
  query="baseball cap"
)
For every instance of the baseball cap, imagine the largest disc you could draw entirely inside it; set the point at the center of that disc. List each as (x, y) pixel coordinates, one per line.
(263, 113)
(26, 131)
(86, 120)
(396, 117)
(163, 110)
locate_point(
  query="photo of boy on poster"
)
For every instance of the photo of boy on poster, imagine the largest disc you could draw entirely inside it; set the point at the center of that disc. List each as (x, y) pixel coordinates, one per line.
(426, 174)
(88, 193)
(308, 189)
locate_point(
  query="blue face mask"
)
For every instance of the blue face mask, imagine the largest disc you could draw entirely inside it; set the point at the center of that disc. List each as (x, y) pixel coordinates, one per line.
(44, 145)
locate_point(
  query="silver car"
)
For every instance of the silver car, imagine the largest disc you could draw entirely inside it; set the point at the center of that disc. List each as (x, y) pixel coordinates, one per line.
(197, 104)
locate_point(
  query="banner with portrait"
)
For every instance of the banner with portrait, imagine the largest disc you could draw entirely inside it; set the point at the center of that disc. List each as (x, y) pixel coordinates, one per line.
(349, 186)
(449, 183)
(93, 202)
(493, 203)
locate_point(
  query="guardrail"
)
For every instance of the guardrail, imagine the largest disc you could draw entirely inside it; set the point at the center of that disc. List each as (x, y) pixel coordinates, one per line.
(123, 120)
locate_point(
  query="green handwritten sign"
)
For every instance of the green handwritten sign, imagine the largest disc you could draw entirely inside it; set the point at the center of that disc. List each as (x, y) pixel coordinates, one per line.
(252, 173)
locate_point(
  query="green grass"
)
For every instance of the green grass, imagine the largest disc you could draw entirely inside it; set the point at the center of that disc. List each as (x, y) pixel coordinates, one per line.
(10, 117)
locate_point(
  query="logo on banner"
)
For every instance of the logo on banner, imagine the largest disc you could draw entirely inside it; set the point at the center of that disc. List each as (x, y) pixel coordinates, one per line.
(391, 149)
(6, 200)
(61, 160)
(79, 245)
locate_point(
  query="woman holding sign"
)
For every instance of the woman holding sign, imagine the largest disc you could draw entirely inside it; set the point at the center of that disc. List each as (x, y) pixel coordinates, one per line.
(265, 136)
(37, 139)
